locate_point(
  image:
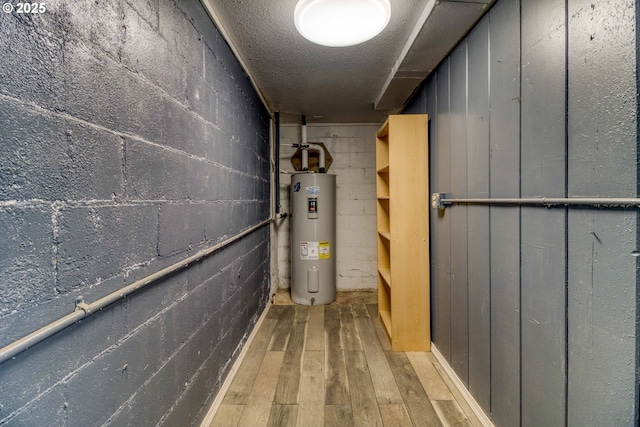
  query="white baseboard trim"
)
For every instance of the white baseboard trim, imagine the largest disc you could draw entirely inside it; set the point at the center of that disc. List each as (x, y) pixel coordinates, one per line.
(482, 417)
(234, 369)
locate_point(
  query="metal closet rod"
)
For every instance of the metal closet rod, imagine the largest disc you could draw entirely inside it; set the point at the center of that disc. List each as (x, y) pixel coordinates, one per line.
(83, 309)
(442, 200)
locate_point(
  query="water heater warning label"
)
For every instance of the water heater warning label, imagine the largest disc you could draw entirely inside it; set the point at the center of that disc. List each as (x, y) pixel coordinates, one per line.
(308, 250)
(324, 250)
(315, 250)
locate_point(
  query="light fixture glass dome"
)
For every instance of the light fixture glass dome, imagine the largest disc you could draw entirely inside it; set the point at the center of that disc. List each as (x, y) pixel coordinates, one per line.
(341, 22)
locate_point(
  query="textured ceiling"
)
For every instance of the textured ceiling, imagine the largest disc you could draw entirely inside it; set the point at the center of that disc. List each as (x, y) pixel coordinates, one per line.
(328, 84)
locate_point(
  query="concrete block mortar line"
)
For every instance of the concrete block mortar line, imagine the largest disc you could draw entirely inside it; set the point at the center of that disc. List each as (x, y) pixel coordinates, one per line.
(191, 381)
(124, 179)
(57, 207)
(136, 74)
(158, 231)
(55, 243)
(106, 203)
(151, 377)
(24, 204)
(49, 113)
(109, 349)
(70, 375)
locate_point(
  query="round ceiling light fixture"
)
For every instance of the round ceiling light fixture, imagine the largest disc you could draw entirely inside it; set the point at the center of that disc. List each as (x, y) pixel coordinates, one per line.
(339, 23)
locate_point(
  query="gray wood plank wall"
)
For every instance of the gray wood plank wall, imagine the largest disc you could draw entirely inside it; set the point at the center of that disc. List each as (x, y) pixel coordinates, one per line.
(458, 168)
(478, 271)
(536, 309)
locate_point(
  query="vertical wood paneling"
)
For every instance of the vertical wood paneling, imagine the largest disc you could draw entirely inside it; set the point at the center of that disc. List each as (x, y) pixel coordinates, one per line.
(543, 258)
(417, 104)
(504, 60)
(551, 293)
(458, 214)
(543, 317)
(443, 220)
(602, 114)
(432, 112)
(478, 250)
(601, 388)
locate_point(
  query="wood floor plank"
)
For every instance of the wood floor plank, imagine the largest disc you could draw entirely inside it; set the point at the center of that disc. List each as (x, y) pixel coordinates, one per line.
(255, 415)
(227, 416)
(384, 383)
(348, 329)
(264, 388)
(243, 380)
(372, 309)
(283, 416)
(415, 397)
(451, 414)
(332, 326)
(429, 377)
(395, 415)
(336, 385)
(289, 379)
(315, 329)
(283, 328)
(473, 418)
(364, 404)
(312, 378)
(311, 400)
(274, 312)
(338, 415)
(310, 415)
(332, 386)
(382, 335)
(302, 312)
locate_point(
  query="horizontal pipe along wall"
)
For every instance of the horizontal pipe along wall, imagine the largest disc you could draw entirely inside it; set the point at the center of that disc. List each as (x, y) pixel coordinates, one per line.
(536, 308)
(132, 139)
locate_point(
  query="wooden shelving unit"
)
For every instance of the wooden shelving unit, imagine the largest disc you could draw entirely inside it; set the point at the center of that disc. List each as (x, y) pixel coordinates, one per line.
(402, 189)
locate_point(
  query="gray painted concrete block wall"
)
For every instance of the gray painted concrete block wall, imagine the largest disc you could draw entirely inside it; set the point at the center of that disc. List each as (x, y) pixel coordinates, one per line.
(536, 309)
(130, 139)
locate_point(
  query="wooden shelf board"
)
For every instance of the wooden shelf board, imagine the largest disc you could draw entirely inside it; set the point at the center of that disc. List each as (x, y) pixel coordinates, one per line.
(384, 129)
(383, 197)
(384, 234)
(386, 275)
(385, 316)
(383, 169)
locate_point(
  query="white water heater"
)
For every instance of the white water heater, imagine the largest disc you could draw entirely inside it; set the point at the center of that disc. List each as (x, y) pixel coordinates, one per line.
(313, 238)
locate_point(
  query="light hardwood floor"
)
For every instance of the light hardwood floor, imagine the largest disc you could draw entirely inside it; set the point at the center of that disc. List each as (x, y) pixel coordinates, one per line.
(332, 365)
